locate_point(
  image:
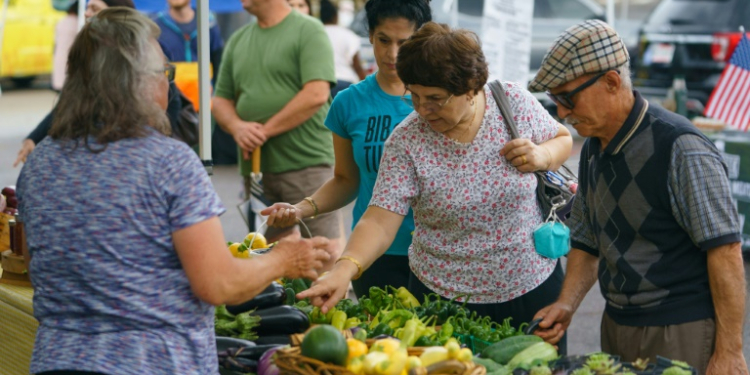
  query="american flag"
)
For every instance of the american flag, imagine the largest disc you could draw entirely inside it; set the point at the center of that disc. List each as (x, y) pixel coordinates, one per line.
(730, 100)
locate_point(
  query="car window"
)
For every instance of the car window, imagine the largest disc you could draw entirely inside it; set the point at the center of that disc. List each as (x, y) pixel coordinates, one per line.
(471, 7)
(572, 9)
(693, 12)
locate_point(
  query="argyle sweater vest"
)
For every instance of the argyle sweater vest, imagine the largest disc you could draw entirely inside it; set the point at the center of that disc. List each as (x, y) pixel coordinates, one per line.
(650, 271)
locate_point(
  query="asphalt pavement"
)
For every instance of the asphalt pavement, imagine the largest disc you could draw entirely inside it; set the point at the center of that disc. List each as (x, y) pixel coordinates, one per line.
(21, 110)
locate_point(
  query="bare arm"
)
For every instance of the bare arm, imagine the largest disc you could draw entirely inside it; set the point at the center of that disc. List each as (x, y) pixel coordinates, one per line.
(357, 65)
(218, 278)
(370, 239)
(726, 276)
(303, 106)
(334, 194)
(530, 157)
(580, 276)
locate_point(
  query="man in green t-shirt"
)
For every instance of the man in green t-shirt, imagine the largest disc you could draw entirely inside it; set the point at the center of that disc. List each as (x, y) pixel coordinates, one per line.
(273, 91)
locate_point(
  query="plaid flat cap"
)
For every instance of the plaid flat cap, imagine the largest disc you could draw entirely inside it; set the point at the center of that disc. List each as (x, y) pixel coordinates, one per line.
(588, 47)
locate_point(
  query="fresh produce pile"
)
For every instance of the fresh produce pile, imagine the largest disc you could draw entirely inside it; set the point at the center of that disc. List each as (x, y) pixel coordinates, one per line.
(497, 363)
(388, 324)
(387, 356)
(387, 312)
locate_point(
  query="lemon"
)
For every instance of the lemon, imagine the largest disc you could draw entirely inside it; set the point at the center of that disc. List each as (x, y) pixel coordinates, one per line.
(234, 249)
(259, 242)
(239, 250)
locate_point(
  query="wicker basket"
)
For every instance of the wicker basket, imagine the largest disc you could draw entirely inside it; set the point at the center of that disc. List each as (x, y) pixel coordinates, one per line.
(290, 361)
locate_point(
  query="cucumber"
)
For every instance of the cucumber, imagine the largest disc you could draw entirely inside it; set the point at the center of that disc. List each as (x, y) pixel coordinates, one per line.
(505, 349)
(489, 364)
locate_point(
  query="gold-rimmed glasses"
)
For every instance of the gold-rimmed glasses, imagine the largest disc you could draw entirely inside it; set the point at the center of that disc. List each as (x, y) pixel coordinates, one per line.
(432, 105)
(169, 71)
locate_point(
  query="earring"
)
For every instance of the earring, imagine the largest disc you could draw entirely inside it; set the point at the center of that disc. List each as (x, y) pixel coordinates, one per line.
(472, 102)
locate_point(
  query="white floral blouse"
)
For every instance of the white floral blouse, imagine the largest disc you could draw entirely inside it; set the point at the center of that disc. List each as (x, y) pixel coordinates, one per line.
(475, 213)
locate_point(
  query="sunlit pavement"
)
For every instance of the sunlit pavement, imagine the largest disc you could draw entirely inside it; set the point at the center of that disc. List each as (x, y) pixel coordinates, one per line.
(21, 110)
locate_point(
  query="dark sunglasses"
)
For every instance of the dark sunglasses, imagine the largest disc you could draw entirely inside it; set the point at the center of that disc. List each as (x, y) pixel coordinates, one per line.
(566, 99)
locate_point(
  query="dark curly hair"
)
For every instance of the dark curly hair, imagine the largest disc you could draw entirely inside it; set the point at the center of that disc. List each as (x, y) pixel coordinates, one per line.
(438, 56)
(416, 11)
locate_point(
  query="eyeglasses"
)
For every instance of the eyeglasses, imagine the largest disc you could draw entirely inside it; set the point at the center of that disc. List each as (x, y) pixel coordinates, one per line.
(428, 104)
(168, 71)
(566, 99)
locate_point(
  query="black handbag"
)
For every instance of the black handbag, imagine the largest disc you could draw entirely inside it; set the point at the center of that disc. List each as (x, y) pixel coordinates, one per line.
(186, 127)
(553, 187)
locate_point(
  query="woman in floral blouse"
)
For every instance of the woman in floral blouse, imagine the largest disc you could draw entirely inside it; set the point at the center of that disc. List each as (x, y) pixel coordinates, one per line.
(454, 163)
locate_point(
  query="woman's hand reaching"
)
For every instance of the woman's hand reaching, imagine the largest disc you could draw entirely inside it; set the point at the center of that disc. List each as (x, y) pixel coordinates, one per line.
(330, 288)
(282, 215)
(527, 156)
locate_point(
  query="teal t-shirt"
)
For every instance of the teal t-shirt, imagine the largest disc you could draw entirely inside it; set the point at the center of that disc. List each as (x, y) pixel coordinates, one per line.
(262, 69)
(366, 115)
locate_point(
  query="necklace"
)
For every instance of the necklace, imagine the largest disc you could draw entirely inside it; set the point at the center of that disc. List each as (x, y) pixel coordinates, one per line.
(471, 124)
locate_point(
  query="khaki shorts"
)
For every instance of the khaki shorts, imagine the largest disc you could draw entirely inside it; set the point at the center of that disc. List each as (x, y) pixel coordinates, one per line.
(293, 187)
(691, 342)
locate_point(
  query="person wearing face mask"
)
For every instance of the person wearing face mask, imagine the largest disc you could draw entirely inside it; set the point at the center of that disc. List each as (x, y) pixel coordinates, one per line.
(654, 216)
(125, 248)
(453, 162)
(361, 119)
(37, 135)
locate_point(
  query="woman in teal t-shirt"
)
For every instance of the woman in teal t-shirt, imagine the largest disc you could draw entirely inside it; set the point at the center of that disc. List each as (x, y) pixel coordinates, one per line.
(361, 119)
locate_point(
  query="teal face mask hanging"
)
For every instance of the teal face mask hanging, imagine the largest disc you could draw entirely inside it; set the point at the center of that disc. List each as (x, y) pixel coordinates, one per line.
(552, 237)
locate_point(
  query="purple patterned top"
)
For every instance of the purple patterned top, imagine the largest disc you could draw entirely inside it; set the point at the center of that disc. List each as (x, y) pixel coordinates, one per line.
(110, 293)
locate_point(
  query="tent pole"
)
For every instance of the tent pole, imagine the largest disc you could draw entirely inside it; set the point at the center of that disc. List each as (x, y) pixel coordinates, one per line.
(81, 14)
(204, 85)
(611, 13)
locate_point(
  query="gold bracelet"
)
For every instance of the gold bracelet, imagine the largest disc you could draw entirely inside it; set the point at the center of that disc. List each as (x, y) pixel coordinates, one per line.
(356, 263)
(314, 206)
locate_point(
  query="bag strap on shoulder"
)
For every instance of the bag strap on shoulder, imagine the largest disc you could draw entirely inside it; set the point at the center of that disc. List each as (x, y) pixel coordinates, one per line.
(502, 102)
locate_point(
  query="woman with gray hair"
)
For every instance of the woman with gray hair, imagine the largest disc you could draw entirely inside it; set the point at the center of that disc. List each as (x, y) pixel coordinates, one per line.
(126, 251)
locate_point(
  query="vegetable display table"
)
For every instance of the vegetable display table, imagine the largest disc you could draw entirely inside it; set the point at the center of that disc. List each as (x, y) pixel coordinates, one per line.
(17, 328)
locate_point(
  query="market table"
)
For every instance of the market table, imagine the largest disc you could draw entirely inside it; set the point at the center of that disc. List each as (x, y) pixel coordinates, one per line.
(17, 328)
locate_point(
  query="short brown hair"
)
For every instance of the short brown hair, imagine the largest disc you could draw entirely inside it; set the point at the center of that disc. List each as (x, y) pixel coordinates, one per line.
(438, 56)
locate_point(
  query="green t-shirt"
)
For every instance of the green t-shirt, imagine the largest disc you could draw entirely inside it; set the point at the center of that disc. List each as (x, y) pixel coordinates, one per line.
(262, 70)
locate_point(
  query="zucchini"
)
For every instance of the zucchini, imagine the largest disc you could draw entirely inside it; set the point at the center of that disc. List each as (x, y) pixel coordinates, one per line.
(540, 351)
(504, 350)
(489, 364)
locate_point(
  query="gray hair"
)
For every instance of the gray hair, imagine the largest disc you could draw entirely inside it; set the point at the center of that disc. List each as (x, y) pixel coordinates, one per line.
(111, 73)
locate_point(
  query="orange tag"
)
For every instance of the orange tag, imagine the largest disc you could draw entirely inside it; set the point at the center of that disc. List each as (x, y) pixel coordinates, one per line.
(4, 231)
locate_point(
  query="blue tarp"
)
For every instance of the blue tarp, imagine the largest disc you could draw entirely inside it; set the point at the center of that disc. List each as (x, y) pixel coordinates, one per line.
(216, 6)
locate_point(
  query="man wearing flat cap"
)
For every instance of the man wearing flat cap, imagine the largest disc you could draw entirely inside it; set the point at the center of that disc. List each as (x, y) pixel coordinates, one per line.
(653, 218)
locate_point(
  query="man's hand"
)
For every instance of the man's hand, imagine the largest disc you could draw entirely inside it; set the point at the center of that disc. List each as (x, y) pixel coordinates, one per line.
(557, 317)
(249, 136)
(26, 148)
(727, 363)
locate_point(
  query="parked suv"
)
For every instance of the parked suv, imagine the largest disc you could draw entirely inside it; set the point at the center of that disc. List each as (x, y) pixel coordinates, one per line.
(693, 38)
